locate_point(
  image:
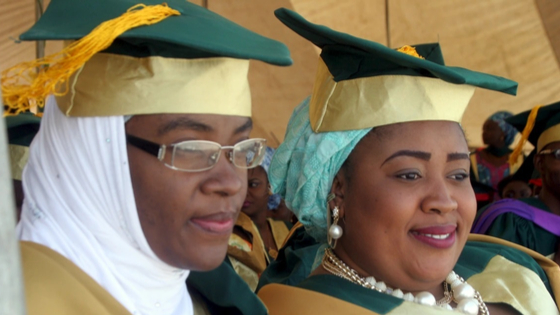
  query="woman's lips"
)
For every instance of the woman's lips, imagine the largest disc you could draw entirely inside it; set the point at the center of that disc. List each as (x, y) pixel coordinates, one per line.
(246, 204)
(436, 236)
(220, 223)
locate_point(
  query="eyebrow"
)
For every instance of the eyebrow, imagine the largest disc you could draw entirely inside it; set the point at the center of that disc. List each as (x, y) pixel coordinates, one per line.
(248, 125)
(415, 154)
(426, 156)
(184, 123)
(191, 124)
(457, 156)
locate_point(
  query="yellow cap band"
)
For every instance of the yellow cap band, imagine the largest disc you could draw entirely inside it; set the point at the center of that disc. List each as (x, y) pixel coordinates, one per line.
(383, 100)
(548, 136)
(113, 85)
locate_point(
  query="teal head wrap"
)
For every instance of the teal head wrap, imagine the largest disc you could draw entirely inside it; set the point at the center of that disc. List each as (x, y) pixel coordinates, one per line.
(304, 166)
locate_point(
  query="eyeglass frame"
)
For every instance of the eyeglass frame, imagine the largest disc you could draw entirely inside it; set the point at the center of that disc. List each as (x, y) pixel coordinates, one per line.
(555, 153)
(158, 150)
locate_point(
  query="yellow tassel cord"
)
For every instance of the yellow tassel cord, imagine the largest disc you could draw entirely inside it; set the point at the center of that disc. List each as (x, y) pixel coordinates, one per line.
(409, 50)
(524, 135)
(23, 87)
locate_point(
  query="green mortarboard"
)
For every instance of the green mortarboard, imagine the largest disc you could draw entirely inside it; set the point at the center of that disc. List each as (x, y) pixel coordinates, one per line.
(545, 122)
(196, 33)
(360, 83)
(22, 129)
(191, 60)
(543, 132)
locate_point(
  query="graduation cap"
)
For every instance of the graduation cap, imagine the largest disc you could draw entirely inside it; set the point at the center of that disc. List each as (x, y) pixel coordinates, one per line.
(22, 129)
(131, 58)
(540, 126)
(362, 84)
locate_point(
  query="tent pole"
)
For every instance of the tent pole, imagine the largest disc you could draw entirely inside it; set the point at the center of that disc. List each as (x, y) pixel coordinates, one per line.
(387, 24)
(12, 300)
(40, 44)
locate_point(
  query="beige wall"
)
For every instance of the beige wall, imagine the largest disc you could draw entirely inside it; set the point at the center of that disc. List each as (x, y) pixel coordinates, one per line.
(17, 16)
(503, 37)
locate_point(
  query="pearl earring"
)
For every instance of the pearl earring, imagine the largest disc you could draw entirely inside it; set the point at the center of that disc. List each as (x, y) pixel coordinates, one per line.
(335, 231)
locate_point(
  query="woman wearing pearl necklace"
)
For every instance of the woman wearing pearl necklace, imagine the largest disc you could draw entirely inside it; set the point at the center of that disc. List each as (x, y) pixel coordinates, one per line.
(375, 165)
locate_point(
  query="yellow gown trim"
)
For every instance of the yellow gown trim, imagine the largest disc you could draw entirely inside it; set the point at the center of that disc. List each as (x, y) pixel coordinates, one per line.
(279, 233)
(282, 299)
(248, 263)
(55, 285)
(499, 283)
(550, 267)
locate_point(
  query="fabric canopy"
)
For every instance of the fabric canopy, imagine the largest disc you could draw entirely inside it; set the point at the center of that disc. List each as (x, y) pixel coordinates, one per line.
(519, 40)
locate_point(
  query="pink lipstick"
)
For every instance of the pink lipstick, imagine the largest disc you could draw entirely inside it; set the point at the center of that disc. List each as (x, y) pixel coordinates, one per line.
(436, 236)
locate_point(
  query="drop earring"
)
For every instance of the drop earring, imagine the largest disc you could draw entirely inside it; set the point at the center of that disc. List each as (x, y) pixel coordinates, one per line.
(335, 231)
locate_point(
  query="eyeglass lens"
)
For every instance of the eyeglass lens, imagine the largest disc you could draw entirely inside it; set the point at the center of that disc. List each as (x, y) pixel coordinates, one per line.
(201, 155)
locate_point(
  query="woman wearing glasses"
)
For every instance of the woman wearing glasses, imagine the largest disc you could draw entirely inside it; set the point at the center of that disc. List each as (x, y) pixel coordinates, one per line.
(532, 222)
(139, 170)
(375, 165)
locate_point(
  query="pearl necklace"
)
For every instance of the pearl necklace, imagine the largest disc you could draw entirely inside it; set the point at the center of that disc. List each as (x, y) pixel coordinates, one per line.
(467, 298)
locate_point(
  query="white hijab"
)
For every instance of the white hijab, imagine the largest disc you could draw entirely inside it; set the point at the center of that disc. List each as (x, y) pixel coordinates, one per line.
(79, 202)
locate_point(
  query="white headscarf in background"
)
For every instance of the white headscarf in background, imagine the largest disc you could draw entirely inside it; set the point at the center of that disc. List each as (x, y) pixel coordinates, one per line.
(79, 202)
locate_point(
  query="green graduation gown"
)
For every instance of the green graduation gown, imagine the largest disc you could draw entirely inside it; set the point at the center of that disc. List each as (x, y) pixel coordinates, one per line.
(513, 228)
(222, 291)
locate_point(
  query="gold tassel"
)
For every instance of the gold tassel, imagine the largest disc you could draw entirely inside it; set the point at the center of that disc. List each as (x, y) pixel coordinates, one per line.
(22, 86)
(409, 50)
(524, 135)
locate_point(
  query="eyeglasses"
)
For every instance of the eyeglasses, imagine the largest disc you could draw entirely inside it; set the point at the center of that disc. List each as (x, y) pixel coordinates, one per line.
(556, 153)
(201, 155)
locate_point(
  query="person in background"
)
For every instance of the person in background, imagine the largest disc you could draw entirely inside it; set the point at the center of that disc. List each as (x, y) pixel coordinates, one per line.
(532, 222)
(513, 188)
(22, 129)
(375, 165)
(139, 170)
(256, 206)
(490, 164)
(256, 238)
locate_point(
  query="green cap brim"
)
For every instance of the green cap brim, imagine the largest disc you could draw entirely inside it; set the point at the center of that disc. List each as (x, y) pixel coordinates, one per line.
(196, 33)
(547, 117)
(362, 58)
